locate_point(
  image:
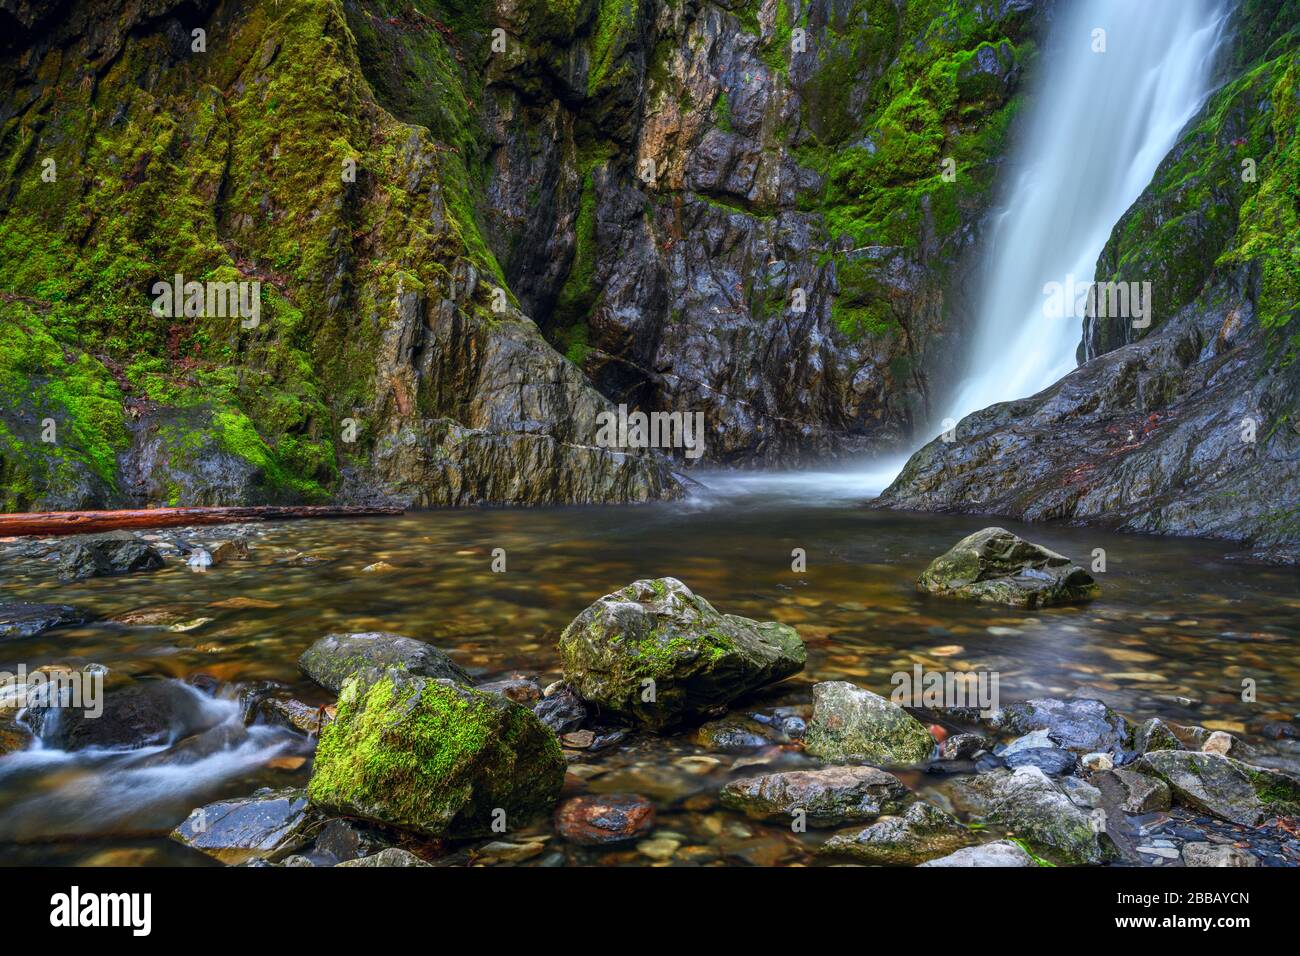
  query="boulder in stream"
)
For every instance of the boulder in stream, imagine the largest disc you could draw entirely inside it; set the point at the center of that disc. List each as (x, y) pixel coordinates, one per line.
(435, 757)
(336, 657)
(1222, 786)
(655, 653)
(1079, 724)
(104, 555)
(998, 567)
(137, 714)
(829, 797)
(1000, 853)
(851, 724)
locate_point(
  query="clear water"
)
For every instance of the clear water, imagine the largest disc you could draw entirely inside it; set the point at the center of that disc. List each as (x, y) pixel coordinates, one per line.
(1175, 632)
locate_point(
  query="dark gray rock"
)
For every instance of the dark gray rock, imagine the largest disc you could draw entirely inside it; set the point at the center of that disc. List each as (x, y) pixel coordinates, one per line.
(563, 711)
(142, 713)
(336, 657)
(1222, 786)
(19, 619)
(269, 825)
(1053, 761)
(104, 555)
(828, 797)
(1077, 724)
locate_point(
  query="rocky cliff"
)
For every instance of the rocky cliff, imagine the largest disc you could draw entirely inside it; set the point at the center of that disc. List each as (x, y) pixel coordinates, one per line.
(475, 226)
(1190, 426)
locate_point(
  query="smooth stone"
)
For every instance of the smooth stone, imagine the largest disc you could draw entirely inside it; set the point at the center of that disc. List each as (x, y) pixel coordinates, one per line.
(1001, 853)
(267, 825)
(1075, 723)
(1053, 761)
(601, 819)
(336, 657)
(20, 619)
(828, 797)
(923, 833)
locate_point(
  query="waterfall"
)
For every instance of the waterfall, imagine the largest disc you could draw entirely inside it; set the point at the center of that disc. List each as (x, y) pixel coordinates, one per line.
(1097, 130)
(1098, 126)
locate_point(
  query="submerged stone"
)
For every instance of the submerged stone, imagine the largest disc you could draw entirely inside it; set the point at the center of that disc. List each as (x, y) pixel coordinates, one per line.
(655, 653)
(601, 819)
(996, 566)
(852, 724)
(435, 757)
(20, 619)
(336, 657)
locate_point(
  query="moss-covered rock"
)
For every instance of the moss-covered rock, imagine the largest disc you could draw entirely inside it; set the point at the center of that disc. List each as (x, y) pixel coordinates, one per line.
(997, 567)
(1223, 786)
(852, 724)
(435, 757)
(655, 653)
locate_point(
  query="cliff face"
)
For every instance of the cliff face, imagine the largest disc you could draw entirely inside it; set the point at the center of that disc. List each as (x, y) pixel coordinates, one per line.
(1191, 426)
(470, 243)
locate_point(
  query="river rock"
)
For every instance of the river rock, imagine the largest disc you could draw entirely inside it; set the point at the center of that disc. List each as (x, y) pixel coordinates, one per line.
(1223, 786)
(962, 746)
(562, 710)
(602, 819)
(853, 724)
(1222, 742)
(829, 797)
(1053, 761)
(20, 619)
(336, 657)
(996, 566)
(1027, 802)
(389, 857)
(269, 825)
(735, 734)
(435, 757)
(1001, 853)
(923, 833)
(1210, 854)
(1077, 724)
(1143, 793)
(522, 690)
(341, 840)
(103, 555)
(656, 637)
(139, 714)
(295, 714)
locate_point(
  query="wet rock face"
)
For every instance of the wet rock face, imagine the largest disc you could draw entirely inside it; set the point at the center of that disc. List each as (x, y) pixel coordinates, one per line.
(675, 288)
(997, 567)
(1222, 786)
(655, 653)
(435, 757)
(851, 724)
(336, 657)
(1149, 437)
(827, 798)
(269, 825)
(134, 715)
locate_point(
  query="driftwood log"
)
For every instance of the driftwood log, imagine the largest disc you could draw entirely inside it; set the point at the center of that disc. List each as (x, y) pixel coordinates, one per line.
(84, 522)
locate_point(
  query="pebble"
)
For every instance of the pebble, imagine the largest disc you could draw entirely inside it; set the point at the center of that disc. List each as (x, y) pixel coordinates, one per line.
(660, 848)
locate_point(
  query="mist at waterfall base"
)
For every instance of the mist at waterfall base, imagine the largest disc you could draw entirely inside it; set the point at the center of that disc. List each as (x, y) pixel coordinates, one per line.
(1097, 129)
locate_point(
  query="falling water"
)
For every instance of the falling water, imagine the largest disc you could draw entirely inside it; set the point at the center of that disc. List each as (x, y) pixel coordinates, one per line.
(1097, 130)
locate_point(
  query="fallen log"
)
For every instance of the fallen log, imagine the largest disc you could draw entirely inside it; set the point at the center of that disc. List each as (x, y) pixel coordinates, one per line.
(85, 522)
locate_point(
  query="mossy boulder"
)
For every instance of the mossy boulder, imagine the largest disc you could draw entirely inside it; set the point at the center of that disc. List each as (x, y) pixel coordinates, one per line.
(435, 757)
(336, 657)
(1222, 786)
(923, 833)
(1030, 804)
(851, 724)
(997, 567)
(655, 653)
(829, 797)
